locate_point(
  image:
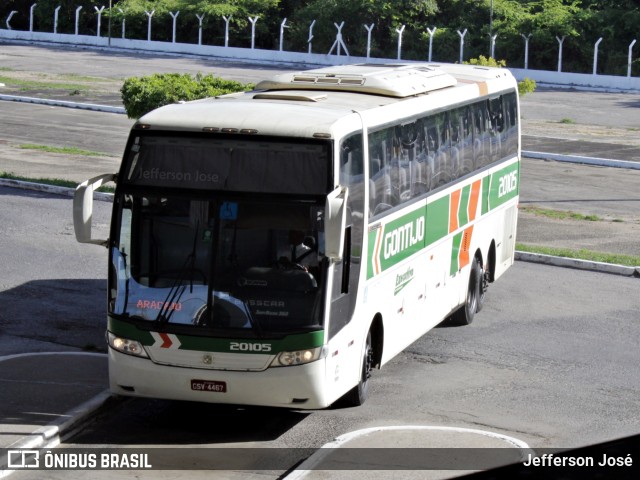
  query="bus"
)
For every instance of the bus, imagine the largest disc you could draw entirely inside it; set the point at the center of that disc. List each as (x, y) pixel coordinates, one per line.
(276, 247)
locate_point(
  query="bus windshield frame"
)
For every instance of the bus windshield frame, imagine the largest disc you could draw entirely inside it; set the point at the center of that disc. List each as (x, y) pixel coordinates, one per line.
(219, 261)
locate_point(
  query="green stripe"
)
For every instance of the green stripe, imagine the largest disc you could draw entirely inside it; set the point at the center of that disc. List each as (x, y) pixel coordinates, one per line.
(210, 344)
(486, 181)
(437, 220)
(455, 253)
(497, 189)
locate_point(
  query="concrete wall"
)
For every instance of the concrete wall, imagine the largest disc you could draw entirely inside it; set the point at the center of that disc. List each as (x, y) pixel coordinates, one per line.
(561, 79)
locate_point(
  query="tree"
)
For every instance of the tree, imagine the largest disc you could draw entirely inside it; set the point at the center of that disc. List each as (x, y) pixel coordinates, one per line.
(386, 15)
(213, 22)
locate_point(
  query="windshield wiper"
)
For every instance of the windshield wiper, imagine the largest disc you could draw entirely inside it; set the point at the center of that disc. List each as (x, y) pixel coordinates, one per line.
(177, 289)
(255, 325)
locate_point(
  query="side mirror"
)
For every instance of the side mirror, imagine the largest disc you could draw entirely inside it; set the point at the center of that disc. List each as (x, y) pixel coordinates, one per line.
(83, 208)
(335, 221)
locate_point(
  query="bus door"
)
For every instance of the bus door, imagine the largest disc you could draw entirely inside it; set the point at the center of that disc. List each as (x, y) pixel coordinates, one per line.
(346, 273)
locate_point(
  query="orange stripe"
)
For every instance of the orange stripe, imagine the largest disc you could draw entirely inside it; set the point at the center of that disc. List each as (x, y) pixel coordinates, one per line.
(376, 258)
(464, 248)
(473, 200)
(453, 211)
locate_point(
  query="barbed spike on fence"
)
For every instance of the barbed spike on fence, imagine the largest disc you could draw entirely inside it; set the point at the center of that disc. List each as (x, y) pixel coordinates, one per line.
(99, 15)
(253, 21)
(149, 16)
(310, 35)
(560, 42)
(629, 61)
(462, 35)
(526, 49)
(123, 21)
(595, 56)
(226, 29)
(369, 29)
(200, 20)
(175, 18)
(78, 19)
(56, 13)
(33, 7)
(431, 33)
(8, 22)
(339, 43)
(400, 31)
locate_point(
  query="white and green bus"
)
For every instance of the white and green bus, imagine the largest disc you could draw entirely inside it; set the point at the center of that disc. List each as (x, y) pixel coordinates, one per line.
(274, 247)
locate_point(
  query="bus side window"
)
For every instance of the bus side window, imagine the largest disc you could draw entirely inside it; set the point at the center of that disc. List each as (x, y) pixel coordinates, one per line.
(497, 128)
(439, 134)
(511, 124)
(461, 141)
(380, 185)
(481, 139)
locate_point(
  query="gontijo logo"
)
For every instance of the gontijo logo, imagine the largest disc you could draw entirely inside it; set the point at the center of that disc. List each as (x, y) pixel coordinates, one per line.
(403, 238)
(397, 240)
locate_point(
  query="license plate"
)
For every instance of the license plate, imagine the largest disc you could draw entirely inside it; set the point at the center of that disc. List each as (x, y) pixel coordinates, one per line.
(209, 386)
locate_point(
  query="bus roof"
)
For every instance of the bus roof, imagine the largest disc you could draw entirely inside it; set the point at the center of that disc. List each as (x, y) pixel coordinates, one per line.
(309, 103)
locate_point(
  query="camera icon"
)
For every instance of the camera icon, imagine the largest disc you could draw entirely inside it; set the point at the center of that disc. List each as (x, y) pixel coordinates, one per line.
(19, 459)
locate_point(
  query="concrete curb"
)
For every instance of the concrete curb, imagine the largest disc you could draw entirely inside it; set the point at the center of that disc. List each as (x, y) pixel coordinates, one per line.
(50, 435)
(53, 189)
(578, 264)
(64, 103)
(601, 162)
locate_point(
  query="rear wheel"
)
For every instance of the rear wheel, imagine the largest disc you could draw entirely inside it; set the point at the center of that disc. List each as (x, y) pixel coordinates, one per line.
(484, 285)
(358, 395)
(465, 314)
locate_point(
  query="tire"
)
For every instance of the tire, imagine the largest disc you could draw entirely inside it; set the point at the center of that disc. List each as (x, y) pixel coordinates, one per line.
(465, 314)
(484, 285)
(359, 394)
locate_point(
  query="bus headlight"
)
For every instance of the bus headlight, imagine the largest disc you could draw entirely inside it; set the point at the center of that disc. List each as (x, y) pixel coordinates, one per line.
(124, 345)
(298, 357)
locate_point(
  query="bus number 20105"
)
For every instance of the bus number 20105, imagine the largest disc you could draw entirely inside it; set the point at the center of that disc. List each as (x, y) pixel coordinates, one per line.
(249, 347)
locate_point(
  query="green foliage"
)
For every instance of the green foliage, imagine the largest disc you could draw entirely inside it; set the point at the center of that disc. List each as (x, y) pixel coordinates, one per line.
(386, 15)
(187, 24)
(44, 14)
(579, 22)
(140, 95)
(483, 61)
(526, 86)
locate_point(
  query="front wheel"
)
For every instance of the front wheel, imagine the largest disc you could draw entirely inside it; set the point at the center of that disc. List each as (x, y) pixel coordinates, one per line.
(465, 314)
(359, 394)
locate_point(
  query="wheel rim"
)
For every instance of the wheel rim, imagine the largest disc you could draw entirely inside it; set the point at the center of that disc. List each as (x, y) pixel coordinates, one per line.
(473, 290)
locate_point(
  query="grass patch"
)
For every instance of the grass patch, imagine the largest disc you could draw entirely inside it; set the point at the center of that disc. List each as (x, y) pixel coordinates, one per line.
(568, 121)
(40, 85)
(559, 214)
(65, 150)
(57, 182)
(582, 254)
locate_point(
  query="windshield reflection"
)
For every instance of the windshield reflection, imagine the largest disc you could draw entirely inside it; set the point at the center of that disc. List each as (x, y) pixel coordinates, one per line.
(220, 264)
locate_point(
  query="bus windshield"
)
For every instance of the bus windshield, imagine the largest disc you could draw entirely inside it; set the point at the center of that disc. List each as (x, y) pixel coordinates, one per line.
(220, 264)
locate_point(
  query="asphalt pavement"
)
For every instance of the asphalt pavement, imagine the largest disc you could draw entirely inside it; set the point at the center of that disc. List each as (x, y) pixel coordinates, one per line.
(45, 397)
